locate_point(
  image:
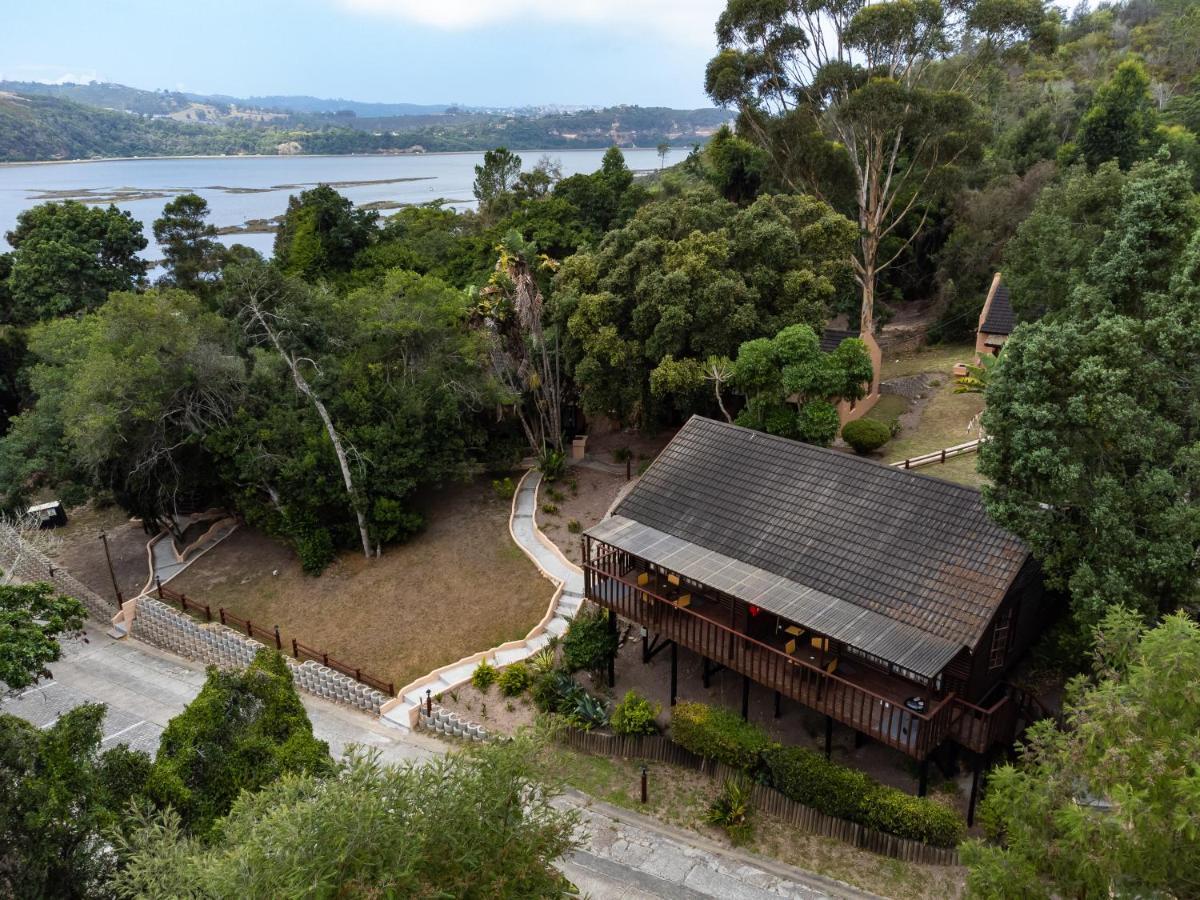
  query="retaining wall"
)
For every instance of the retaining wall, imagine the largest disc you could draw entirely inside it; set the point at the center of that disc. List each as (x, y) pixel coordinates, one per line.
(26, 563)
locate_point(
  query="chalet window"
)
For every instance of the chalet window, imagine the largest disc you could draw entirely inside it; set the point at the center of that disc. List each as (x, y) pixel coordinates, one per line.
(1001, 635)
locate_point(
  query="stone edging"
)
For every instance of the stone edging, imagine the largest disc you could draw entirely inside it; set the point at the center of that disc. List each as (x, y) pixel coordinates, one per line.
(404, 710)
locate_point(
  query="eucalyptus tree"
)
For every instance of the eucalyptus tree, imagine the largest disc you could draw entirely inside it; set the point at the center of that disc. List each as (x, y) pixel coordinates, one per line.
(855, 97)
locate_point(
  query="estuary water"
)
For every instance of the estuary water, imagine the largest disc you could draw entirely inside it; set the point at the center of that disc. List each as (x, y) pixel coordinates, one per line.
(240, 189)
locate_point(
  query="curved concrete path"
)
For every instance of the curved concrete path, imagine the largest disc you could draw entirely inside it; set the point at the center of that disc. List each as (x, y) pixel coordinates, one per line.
(567, 598)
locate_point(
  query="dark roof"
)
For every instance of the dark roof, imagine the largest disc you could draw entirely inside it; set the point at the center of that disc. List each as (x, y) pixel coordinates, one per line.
(832, 337)
(914, 550)
(1000, 317)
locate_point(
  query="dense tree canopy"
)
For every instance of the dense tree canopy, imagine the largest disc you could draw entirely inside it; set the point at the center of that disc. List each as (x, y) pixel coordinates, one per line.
(67, 257)
(1109, 806)
(191, 253)
(32, 618)
(321, 233)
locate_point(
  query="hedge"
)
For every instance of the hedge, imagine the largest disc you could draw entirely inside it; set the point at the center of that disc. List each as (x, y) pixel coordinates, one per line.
(808, 778)
(716, 733)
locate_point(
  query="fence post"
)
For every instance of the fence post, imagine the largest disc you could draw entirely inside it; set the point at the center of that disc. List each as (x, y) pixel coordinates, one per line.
(295, 649)
(221, 613)
(183, 603)
(51, 568)
(906, 464)
(325, 660)
(207, 613)
(278, 639)
(158, 585)
(249, 629)
(943, 454)
(358, 675)
(391, 689)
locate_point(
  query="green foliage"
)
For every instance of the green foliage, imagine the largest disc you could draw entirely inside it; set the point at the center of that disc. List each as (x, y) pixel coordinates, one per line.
(514, 680)
(689, 278)
(1092, 456)
(316, 550)
(585, 711)
(552, 463)
(191, 252)
(791, 385)
(731, 811)
(808, 778)
(32, 619)
(242, 732)
(588, 643)
(504, 488)
(1106, 806)
(866, 435)
(554, 692)
(474, 824)
(574, 526)
(717, 733)
(61, 799)
(550, 509)
(495, 180)
(634, 714)
(1120, 123)
(542, 662)
(484, 676)
(67, 257)
(321, 233)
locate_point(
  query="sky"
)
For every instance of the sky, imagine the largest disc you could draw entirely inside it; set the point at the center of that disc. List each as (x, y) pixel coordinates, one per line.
(473, 52)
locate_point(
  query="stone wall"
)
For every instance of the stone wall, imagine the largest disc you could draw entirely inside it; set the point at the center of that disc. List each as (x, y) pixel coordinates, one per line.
(214, 644)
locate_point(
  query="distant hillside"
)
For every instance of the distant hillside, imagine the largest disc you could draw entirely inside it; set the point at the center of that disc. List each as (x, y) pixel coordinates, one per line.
(305, 104)
(49, 122)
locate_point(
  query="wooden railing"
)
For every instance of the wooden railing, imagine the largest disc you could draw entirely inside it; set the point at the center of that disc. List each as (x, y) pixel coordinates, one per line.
(271, 637)
(917, 734)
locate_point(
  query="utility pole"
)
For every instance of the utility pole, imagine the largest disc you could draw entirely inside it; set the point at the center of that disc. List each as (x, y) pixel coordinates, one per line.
(111, 573)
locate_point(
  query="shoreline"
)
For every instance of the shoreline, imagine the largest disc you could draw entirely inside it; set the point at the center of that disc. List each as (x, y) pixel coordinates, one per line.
(108, 159)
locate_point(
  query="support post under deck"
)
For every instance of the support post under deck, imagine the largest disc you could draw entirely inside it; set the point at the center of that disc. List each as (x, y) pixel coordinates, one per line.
(778, 698)
(612, 657)
(674, 671)
(745, 698)
(976, 770)
(923, 782)
(828, 737)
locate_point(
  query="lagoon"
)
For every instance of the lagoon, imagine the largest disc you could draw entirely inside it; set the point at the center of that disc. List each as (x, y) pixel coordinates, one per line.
(243, 188)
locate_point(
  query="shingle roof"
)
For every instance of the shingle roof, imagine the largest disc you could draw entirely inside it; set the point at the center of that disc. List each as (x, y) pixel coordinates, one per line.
(1000, 317)
(832, 337)
(914, 550)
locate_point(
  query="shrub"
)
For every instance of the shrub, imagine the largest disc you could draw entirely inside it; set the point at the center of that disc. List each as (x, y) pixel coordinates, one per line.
(588, 643)
(574, 527)
(514, 679)
(484, 676)
(316, 551)
(553, 692)
(866, 435)
(808, 778)
(550, 509)
(719, 734)
(504, 488)
(556, 495)
(552, 463)
(622, 454)
(585, 711)
(542, 661)
(731, 811)
(635, 715)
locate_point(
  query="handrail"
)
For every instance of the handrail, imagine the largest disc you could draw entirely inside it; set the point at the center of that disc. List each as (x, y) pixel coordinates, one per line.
(931, 726)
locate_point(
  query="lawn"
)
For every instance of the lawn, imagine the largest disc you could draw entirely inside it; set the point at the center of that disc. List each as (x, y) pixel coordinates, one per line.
(939, 358)
(460, 586)
(680, 797)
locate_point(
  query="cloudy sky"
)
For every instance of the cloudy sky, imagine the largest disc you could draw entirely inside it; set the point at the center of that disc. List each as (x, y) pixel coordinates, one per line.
(478, 52)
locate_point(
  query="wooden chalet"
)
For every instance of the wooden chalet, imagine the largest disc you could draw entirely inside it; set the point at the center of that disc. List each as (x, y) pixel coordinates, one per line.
(885, 600)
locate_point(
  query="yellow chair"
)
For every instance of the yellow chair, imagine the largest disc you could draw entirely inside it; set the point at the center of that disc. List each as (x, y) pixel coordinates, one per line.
(643, 579)
(790, 646)
(673, 579)
(832, 667)
(684, 600)
(820, 643)
(794, 630)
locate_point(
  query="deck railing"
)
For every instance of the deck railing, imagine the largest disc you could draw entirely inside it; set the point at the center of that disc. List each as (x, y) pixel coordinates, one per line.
(917, 734)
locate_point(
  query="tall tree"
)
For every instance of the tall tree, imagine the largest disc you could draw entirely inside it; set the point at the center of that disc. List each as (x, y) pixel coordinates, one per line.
(1121, 120)
(495, 180)
(1110, 805)
(241, 732)
(191, 253)
(823, 85)
(1094, 450)
(67, 257)
(61, 799)
(321, 233)
(474, 825)
(32, 619)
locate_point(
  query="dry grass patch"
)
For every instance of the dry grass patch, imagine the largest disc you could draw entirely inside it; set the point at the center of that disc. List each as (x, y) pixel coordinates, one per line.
(939, 358)
(459, 587)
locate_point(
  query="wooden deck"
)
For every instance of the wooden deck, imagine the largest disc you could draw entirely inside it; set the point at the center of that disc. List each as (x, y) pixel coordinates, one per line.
(854, 692)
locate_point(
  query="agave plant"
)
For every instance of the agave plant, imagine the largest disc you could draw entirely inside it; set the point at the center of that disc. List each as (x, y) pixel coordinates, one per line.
(588, 713)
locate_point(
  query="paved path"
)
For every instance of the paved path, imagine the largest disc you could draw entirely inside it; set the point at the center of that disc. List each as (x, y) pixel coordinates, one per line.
(627, 856)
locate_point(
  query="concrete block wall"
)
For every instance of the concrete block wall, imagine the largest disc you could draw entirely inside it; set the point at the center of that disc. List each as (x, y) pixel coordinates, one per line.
(214, 644)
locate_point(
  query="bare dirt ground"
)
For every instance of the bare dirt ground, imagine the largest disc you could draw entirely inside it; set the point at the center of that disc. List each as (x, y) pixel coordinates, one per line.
(460, 586)
(582, 496)
(78, 549)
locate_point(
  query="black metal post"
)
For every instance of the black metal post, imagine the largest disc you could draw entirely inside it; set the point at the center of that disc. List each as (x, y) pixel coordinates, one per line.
(111, 573)
(828, 737)
(745, 698)
(612, 657)
(428, 702)
(645, 645)
(778, 699)
(674, 671)
(976, 769)
(923, 781)
(645, 796)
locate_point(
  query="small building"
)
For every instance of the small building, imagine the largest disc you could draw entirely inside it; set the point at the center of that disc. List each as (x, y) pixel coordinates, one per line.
(848, 411)
(996, 320)
(48, 515)
(886, 600)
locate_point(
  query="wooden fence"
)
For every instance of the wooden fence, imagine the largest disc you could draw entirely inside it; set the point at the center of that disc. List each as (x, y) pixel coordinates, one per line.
(271, 637)
(939, 456)
(656, 748)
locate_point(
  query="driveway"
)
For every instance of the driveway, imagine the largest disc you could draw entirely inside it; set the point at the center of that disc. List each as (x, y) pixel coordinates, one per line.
(625, 855)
